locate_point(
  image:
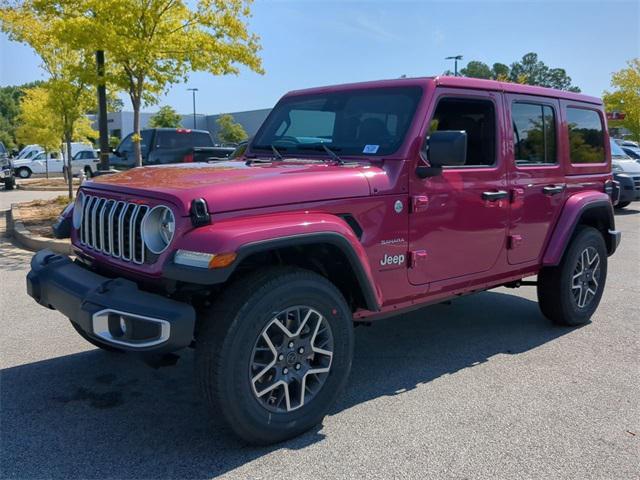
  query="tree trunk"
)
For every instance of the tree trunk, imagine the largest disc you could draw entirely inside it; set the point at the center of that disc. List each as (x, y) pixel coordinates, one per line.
(137, 151)
(68, 162)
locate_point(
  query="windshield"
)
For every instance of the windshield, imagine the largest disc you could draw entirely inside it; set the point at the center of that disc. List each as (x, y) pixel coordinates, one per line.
(371, 122)
(616, 150)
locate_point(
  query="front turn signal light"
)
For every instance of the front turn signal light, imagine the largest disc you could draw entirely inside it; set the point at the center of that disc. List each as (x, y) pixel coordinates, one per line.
(222, 260)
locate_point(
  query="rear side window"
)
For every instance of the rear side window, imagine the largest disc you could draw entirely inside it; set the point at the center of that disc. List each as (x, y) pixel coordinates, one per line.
(586, 136)
(183, 139)
(477, 118)
(534, 134)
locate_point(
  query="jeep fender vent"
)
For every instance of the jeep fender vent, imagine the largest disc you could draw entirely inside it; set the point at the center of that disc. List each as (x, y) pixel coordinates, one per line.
(353, 223)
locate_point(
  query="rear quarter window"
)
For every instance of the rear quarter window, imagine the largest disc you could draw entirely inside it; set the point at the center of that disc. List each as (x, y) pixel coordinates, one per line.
(586, 136)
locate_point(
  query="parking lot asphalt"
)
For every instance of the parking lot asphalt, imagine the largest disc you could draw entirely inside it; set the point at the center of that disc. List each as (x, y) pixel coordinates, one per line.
(483, 388)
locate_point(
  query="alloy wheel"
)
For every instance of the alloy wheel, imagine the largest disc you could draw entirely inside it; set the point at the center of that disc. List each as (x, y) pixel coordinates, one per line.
(586, 277)
(291, 359)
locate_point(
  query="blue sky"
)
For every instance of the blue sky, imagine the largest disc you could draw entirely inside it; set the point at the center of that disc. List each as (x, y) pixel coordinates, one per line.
(311, 43)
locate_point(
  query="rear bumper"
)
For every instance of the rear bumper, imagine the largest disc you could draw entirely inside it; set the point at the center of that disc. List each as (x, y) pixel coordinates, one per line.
(110, 311)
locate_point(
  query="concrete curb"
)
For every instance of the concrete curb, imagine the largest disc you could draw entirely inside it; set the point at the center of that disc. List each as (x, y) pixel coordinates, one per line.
(24, 238)
(42, 189)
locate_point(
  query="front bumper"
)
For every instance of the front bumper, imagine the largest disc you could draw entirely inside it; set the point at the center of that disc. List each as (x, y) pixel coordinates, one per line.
(110, 311)
(629, 187)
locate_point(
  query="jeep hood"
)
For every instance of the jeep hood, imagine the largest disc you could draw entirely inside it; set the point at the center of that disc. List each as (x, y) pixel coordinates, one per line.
(233, 185)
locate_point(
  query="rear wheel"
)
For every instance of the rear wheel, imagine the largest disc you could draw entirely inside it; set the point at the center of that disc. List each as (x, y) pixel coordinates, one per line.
(570, 293)
(622, 205)
(23, 172)
(274, 352)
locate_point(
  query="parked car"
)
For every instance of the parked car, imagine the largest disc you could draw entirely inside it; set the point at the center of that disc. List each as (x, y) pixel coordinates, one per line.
(169, 145)
(86, 161)
(626, 171)
(415, 191)
(53, 162)
(29, 152)
(6, 172)
(632, 152)
(42, 162)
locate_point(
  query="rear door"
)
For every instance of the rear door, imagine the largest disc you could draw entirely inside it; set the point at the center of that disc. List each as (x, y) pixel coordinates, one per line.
(536, 174)
(458, 219)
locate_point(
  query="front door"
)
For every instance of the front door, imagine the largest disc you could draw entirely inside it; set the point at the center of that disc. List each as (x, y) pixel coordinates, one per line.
(459, 219)
(536, 176)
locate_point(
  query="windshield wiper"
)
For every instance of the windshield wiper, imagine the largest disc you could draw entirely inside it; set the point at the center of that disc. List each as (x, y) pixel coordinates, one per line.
(278, 156)
(276, 152)
(334, 156)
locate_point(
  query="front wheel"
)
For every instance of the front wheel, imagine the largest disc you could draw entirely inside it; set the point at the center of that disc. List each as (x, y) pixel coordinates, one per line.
(570, 293)
(622, 205)
(274, 352)
(24, 172)
(87, 172)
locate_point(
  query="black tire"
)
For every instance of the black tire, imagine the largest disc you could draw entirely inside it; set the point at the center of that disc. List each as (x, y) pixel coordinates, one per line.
(102, 346)
(9, 183)
(23, 172)
(622, 205)
(556, 287)
(87, 172)
(231, 329)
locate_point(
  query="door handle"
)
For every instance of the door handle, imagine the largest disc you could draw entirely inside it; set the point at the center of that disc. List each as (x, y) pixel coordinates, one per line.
(494, 196)
(553, 189)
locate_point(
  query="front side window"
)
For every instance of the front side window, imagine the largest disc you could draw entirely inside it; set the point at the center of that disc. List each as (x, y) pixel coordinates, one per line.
(477, 118)
(126, 147)
(369, 122)
(586, 136)
(534, 134)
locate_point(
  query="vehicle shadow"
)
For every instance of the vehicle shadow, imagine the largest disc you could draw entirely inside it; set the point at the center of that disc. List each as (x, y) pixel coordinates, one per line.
(98, 415)
(626, 211)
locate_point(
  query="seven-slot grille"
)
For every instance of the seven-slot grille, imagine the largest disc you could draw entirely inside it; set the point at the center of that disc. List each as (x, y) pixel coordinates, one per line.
(113, 227)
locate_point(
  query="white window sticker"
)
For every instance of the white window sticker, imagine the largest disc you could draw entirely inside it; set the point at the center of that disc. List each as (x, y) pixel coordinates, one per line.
(371, 149)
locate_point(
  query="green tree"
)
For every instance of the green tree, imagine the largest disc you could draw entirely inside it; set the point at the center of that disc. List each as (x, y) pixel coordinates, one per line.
(476, 69)
(500, 71)
(37, 123)
(532, 71)
(70, 71)
(9, 109)
(152, 44)
(229, 131)
(626, 98)
(166, 117)
(529, 70)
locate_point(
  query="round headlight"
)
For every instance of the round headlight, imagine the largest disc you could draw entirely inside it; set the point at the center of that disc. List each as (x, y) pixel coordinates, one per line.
(78, 210)
(158, 228)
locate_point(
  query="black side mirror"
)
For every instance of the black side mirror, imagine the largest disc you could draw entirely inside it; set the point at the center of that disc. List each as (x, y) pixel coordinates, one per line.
(444, 148)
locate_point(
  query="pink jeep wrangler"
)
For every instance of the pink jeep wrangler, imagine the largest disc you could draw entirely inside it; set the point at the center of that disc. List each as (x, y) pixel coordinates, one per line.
(351, 203)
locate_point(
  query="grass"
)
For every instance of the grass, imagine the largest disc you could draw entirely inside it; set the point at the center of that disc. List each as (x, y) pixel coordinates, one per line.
(38, 216)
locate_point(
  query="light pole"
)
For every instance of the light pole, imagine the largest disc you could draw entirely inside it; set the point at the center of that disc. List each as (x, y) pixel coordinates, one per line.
(194, 90)
(455, 59)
